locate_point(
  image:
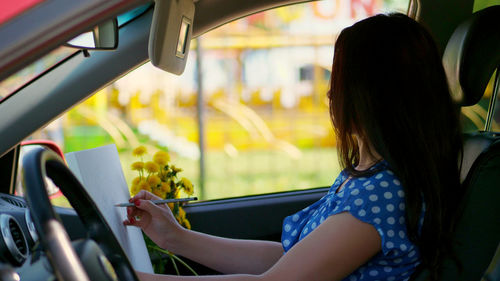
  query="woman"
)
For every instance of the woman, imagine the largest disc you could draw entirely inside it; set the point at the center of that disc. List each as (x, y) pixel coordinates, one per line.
(392, 209)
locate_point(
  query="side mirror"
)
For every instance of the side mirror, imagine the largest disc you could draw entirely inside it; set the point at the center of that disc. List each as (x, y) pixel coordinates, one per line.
(102, 37)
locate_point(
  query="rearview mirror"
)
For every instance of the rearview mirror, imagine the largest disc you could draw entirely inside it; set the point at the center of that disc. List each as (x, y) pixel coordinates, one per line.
(102, 37)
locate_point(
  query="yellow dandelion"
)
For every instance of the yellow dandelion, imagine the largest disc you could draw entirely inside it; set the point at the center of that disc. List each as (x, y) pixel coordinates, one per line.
(138, 166)
(139, 151)
(134, 190)
(188, 186)
(175, 170)
(136, 180)
(186, 224)
(154, 180)
(165, 187)
(161, 158)
(159, 193)
(173, 186)
(182, 213)
(144, 186)
(171, 206)
(151, 167)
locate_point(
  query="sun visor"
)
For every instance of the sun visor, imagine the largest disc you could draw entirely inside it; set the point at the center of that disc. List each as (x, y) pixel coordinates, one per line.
(170, 34)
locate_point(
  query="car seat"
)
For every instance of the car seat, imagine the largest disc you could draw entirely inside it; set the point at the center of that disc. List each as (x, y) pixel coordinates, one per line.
(470, 59)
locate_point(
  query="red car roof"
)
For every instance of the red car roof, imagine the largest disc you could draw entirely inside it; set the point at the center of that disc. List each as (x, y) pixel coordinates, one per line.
(11, 8)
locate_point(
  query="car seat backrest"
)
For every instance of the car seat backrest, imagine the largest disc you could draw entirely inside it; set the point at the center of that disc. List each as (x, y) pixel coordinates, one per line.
(472, 55)
(474, 145)
(478, 231)
(470, 59)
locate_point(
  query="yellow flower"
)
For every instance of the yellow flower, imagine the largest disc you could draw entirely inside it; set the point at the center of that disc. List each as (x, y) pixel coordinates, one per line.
(188, 186)
(159, 193)
(139, 151)
(154, 180)
(172, 185)
(137, 166)
(161, 180)
(175, 169)
(186, 224)
(136, 180)
(165, 187)
(182, 213)
(151, 167)
(134, 190)
(161, 158)
(144, 186)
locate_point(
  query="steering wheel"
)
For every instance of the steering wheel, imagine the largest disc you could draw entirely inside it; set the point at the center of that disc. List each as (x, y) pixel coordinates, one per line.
(100, 255)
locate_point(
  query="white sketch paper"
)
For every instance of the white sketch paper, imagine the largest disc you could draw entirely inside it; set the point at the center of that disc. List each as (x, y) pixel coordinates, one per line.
(100, 171)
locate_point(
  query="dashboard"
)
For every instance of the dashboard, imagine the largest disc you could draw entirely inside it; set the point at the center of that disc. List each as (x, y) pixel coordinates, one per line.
(21, 257)
(18, 234)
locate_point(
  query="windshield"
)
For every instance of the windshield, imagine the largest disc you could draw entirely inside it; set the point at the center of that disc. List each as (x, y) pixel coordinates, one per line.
(16, 81)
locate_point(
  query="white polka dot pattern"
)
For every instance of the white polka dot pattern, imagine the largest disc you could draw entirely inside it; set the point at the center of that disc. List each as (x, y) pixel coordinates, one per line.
(377, 200)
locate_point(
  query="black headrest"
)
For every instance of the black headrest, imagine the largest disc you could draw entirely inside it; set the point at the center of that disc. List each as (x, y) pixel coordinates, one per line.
(472, 54)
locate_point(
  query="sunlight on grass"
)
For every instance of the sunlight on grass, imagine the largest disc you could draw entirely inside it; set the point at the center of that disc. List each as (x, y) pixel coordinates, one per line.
(254, 172)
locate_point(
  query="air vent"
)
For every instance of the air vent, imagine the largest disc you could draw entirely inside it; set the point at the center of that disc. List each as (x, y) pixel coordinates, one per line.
(13, 245)
(30, 225)
(18, 237)
(14, 201)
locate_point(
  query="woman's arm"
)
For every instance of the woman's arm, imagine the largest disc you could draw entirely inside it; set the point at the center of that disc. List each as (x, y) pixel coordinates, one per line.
(340, 245)
(227, 255)
(222, 254)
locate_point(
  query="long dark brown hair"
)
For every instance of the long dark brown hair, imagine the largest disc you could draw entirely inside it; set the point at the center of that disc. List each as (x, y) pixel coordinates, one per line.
(388, 87)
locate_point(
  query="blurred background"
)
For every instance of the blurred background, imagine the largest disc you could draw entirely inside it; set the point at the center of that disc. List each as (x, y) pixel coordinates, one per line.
(248, 116)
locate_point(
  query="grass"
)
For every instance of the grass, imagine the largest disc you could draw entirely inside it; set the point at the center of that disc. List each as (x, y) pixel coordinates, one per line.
(232, 174)
(254, 172)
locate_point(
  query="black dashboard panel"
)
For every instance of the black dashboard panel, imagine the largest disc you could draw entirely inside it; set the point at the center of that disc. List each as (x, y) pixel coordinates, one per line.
(8, 169)
(17, 233)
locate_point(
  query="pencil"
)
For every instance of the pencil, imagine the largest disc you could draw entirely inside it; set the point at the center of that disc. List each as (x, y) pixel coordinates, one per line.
(156, 202)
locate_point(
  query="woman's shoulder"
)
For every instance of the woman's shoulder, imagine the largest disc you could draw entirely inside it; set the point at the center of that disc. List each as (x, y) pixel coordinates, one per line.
(380, 182)
(379, 199)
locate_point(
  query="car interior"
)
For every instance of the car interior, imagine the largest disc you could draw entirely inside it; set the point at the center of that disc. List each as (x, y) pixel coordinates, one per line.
(474, 243)
(32, 248)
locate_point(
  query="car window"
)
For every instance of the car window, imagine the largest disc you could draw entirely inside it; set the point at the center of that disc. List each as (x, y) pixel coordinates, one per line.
(132, 14)
(481, 4)
(474, 117)
(16, 81)
(55, 195)
(265, 118)
(495, 121)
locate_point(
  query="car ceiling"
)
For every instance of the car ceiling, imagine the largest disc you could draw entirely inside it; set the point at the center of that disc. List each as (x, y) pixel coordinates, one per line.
(78, 77)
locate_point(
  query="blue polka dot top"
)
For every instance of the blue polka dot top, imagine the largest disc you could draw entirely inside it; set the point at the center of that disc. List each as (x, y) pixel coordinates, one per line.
(377, 200)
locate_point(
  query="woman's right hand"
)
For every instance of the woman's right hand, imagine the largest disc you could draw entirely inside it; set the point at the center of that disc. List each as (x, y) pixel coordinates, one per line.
(157, 221)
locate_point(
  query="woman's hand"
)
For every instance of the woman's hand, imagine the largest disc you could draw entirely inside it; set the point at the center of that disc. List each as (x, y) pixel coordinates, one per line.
(157, 221)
